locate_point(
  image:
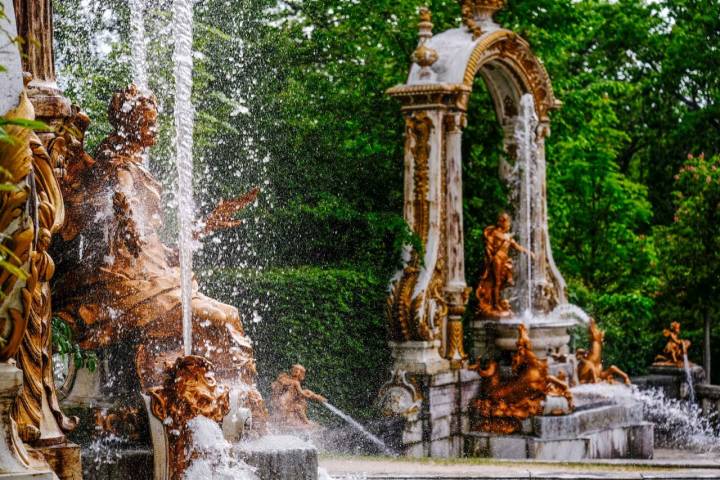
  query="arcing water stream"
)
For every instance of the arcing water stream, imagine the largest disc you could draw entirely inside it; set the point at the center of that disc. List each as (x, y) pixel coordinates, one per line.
(355, 424)
(184, 121)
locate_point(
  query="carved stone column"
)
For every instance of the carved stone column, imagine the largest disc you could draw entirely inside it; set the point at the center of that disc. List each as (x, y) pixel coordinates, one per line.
(35, 29)
(456, 291)
(416, 306)
(40, 422)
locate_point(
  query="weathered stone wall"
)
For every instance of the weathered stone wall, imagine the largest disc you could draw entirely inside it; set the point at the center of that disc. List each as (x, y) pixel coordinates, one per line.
(438, 430)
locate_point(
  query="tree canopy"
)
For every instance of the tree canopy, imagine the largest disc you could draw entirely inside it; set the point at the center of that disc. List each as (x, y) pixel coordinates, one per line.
(290, 97)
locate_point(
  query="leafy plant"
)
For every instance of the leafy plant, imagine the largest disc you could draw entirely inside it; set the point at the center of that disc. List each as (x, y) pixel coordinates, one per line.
(63, 343)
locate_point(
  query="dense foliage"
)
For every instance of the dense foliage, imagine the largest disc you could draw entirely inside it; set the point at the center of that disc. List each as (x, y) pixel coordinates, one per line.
(290, 97)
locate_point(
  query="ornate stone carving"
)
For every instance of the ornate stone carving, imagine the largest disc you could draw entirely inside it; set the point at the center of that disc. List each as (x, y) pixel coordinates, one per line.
(675, 350)
(503, 404)
(498, 270)
(423, 55)
(512, 49)
(475, 12)
(288, 400)
(34, 356)
(17, 210)
(117, 282)
(399, 397)
(405, 312)
(190, 390)
(590, 368)
(34, 28)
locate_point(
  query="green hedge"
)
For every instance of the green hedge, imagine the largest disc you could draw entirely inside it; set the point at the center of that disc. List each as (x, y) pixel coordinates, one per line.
(330, 320)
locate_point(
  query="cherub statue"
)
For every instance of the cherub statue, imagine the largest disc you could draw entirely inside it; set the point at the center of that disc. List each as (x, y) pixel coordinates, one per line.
(117, 282)
(498, 270)
(288, 400)
(675, 350)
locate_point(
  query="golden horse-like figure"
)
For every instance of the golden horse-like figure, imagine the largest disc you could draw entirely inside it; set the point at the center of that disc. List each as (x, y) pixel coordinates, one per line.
(503, 404)
(590, 367)
(676, 348)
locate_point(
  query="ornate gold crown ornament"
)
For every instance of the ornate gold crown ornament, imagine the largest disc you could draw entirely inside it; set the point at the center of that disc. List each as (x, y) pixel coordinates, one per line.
(476, 11)
(423, 55)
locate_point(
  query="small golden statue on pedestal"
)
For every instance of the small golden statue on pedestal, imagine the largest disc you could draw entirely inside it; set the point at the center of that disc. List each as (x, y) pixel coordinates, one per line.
(288, 400)
(590, 367)
(676, 348)
(498, 270)
(504, 404)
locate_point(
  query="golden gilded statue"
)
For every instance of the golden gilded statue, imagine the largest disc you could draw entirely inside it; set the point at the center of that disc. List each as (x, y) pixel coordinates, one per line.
(590, 367)
(190, 390)
(504, 404)
(676, 348)
(32, 212)
(118, 282)
(498, 269)
(288, 400)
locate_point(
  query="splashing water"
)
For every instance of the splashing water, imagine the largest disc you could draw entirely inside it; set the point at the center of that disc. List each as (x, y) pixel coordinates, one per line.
(679, 424)
(138, 53)
(214, 460)
(526, 159)
(689, 378)
(184, 120)
(355, 424)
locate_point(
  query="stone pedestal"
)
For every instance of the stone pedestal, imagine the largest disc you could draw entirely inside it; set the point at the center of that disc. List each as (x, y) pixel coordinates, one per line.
(421, 358)
(280, 458)
(671, 380)
(609, 431)
(16, 462)
(64, 459)
(443, 418)
(500, 337)
(497, 340)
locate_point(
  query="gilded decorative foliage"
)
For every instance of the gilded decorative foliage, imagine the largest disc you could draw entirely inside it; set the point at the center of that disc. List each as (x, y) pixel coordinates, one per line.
(190, 390)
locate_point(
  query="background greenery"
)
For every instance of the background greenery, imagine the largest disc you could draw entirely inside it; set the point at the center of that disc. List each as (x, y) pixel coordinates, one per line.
(290, 97)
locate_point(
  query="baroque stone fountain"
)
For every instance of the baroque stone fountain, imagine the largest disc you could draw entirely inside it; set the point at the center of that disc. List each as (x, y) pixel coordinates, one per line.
(509, 407)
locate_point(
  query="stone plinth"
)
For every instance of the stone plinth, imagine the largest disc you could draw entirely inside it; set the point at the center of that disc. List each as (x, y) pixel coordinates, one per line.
(498, 339)
(709, 398)
(118, 464)
(671, 380)
(610, 431)
(437, 429)
(279, 457)
(12, 450)
(418, 357)
(64, 459)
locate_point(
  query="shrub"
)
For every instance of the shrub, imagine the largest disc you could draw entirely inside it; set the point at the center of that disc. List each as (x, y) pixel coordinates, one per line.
(330, 320)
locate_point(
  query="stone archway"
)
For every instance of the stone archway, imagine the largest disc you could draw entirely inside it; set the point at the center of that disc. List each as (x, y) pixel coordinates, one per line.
(429, 296)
